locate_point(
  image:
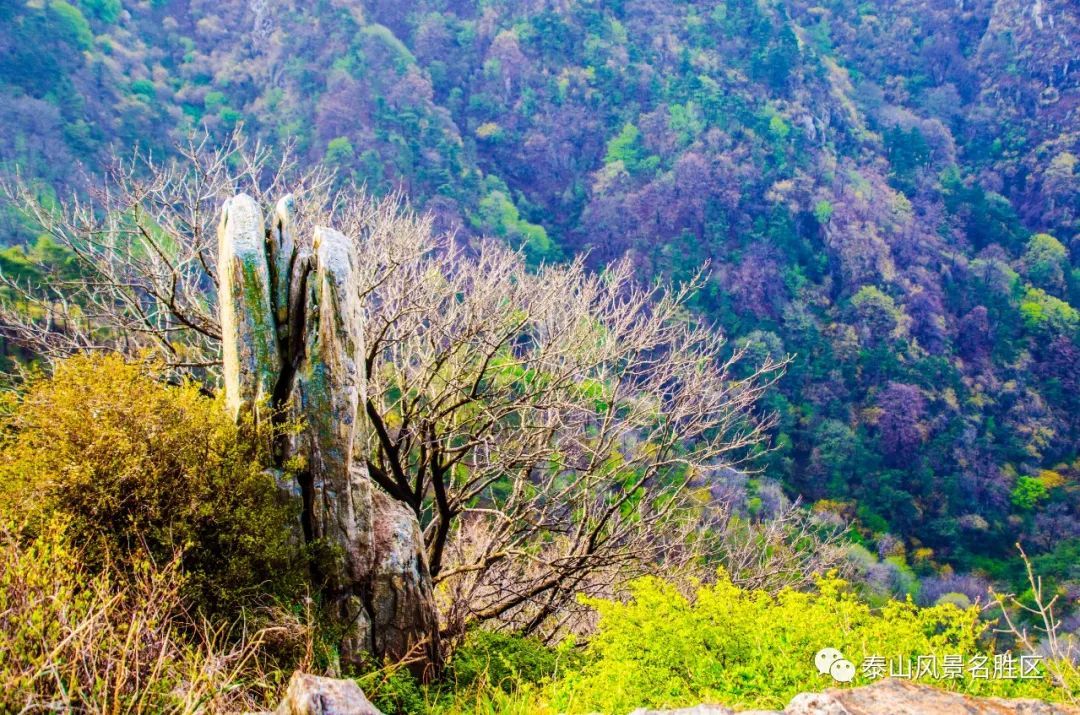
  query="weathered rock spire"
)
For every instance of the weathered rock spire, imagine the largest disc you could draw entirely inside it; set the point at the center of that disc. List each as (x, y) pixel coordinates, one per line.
(293, 333)
(249, 337)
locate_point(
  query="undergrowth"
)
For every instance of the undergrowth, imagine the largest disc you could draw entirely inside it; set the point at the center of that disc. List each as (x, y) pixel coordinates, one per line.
(147, 565)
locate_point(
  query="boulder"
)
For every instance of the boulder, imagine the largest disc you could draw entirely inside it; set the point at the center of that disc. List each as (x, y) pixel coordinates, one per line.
(312, 695)
(887, 697)
(901, 696)
(696, 710)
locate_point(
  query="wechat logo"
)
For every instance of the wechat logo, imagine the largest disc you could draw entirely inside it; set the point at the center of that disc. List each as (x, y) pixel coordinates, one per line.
(830, 661)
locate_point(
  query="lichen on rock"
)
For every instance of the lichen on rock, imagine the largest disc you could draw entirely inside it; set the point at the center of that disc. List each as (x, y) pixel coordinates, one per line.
(252, 362)
(281, 254)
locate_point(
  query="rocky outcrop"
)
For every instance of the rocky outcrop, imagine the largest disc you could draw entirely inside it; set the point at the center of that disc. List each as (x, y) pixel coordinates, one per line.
(312, 695)
(293, 333)
(402, 602)
(328, 390)
(252, 360)
(887, 697)
(901, 696)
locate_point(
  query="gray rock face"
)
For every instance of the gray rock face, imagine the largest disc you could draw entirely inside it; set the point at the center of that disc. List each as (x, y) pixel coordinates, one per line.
(292, 323)
(281, 253)
(900, 696)
(248, 332)
(328, 389)
(402, 606)
(312, 695)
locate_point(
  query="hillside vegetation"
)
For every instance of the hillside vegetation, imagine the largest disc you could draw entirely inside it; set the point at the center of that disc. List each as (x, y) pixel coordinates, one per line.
(888, 192)
(165, 590)
(786, 343)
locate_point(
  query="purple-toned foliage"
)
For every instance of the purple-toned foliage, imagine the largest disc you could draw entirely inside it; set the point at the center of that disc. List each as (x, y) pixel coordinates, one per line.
(900, 424)
(976, 588)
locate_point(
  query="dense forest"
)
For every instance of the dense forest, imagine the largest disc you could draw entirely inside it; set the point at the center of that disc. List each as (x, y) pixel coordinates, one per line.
(887, 192)
(691, 331)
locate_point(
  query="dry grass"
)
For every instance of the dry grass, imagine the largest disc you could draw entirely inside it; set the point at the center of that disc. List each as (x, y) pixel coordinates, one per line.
(112, 642)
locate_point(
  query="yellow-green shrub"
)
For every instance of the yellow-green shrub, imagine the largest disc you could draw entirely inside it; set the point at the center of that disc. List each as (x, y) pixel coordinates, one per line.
(741, 648)
(137, 467)
(751, 649)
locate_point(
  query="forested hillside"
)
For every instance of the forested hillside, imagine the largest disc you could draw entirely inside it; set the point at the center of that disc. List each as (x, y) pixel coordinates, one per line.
(888, 191)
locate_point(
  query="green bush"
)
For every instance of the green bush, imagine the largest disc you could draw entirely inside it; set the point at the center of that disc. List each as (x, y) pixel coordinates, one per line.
(753, 650)
(1028, 492)
(1045, 261)
(488, 672)
(498, 216)
(395, 691)
(501, 660)
(71, 25)
(142, 469)
(1047, 314)
(108, 11)
(823, 211)
(340, 152)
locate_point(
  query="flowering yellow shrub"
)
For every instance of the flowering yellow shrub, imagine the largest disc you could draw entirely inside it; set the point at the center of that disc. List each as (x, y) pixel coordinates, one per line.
(138, 468)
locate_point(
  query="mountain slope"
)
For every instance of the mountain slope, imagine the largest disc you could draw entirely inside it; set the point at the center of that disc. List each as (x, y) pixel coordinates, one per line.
(887, 190)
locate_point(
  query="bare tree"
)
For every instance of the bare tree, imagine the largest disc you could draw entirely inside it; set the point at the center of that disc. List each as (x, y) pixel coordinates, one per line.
(1044, 637)
(552, 430)
(788, 550)
(143, 247)
(548, 424)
